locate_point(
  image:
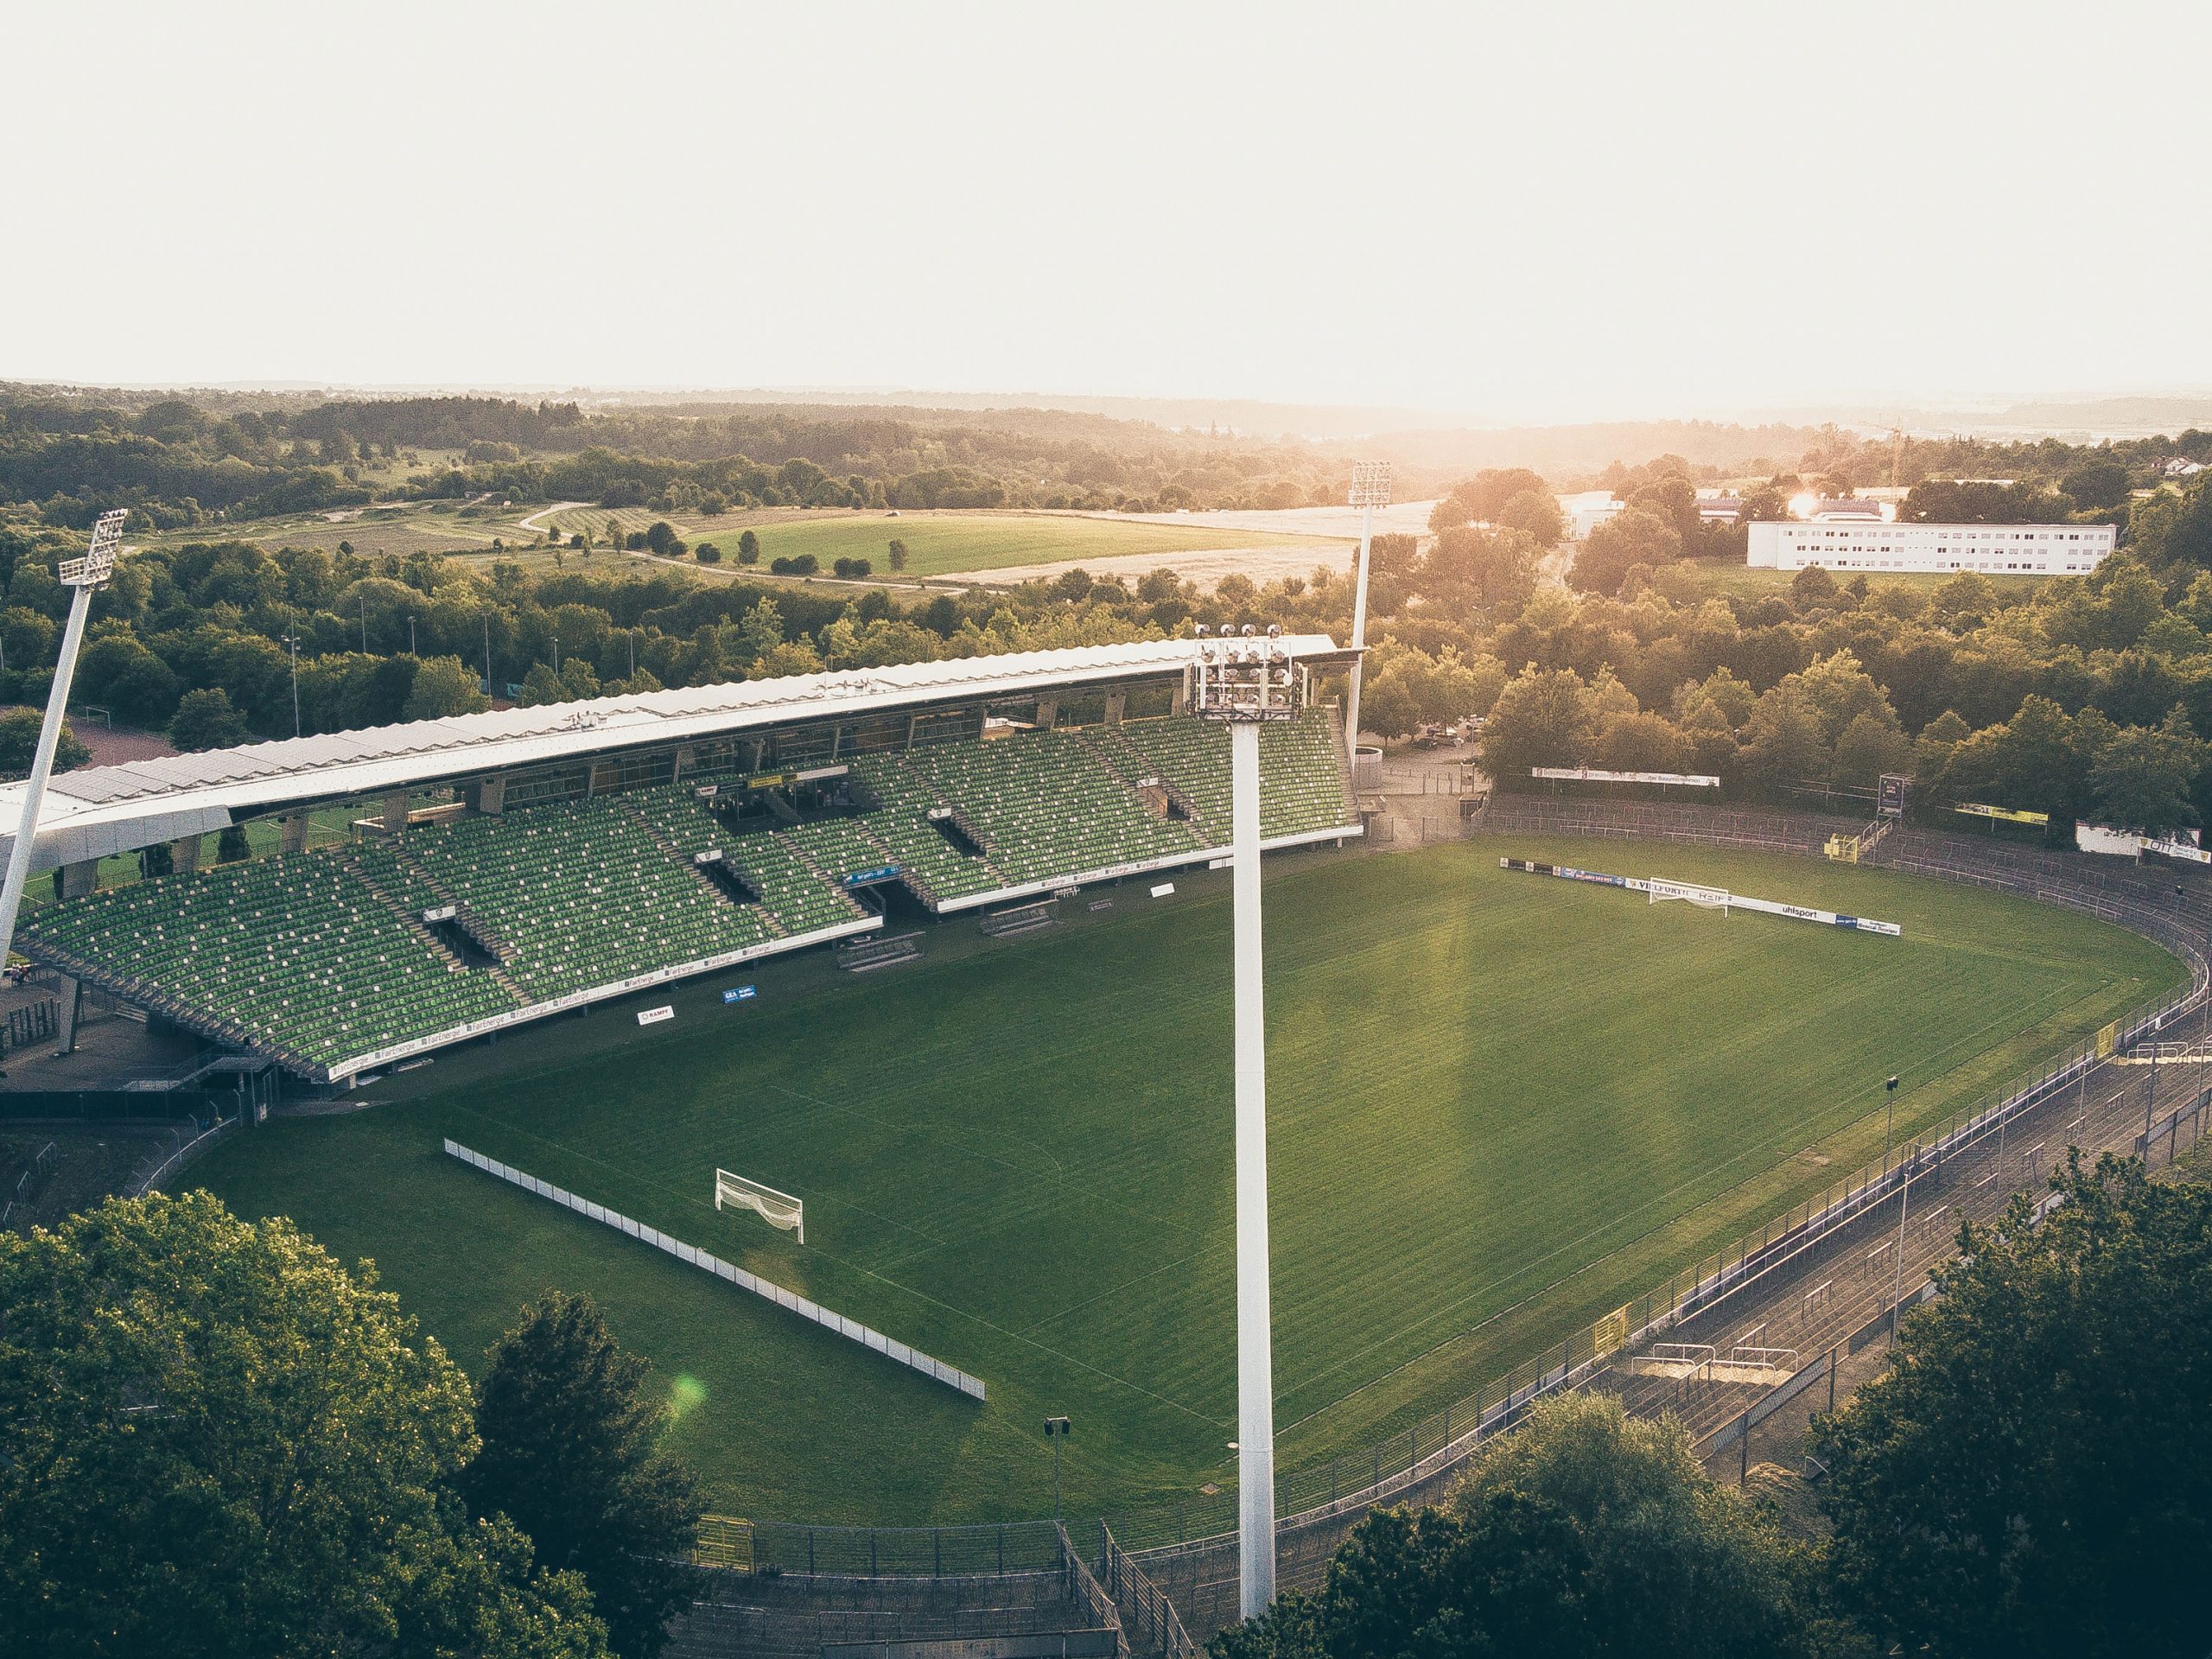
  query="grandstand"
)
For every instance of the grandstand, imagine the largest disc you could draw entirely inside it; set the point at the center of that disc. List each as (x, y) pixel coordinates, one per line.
(515, 864)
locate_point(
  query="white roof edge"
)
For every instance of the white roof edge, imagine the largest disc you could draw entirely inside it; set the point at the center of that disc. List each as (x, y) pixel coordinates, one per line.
(375, 758)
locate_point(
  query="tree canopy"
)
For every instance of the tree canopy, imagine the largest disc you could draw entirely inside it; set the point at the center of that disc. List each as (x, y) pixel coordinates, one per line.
(1584, 1532)
(221, 1443)
(2032, 1463)
(571, 1430)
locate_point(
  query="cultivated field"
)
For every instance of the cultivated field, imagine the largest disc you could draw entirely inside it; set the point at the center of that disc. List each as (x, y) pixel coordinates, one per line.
(939, 543)
(1500, 1105)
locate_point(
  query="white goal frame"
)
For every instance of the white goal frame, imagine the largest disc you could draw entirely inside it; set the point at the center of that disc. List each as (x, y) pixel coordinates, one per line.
(776, 1209)
(1705, 898)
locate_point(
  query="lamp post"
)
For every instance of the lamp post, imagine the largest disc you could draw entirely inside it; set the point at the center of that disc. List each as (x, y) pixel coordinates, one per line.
(1371, 488)
(85, 575)
(1888, 1119)
(2151, 1099)
(1056, 1430)
(1243, 681)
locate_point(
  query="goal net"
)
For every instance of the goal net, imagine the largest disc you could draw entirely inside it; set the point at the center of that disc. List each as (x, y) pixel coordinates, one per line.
(776, 1209)
(1709, 897)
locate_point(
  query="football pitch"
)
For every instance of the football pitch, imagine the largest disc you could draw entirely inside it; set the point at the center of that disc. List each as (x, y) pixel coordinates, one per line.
(1499, 1105)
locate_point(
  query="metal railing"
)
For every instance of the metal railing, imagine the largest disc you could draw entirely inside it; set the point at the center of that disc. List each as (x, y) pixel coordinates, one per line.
(23, 1182)
(1147, 1611)
(165, 1170)
(989, 1550)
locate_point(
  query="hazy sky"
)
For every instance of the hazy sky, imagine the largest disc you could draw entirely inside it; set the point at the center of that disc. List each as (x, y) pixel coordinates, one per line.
(1515, 211)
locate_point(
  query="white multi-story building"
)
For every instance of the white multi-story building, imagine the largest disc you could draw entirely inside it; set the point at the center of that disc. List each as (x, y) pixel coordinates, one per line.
(1997, 550)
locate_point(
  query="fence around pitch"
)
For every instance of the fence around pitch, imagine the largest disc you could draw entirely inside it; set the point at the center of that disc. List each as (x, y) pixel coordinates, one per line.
(897, 1352)
(985, 1551)
(1149, 1612)
(1439, 1440)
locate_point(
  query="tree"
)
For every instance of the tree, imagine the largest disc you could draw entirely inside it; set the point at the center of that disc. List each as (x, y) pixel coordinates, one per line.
(1468, 566)
(19, 730)
(541, 686)
(206, 720)
(221, 1443)
(443, 685)
(570, 1454)
(231, 845)
(1540, 719)
(1868, 747)
(2098, 482)
(1613, 548)
(1481, 498)
(116, 669)
(1784, 740)
(2141, 775)
(748, 548)
(1640, 742)
(1536, 514)
(2037, 1437)
(762, 629)
(707, 553)
(897, 556)
(1584, 1532)
(660, 536)
(1813, 590)
(1387, 706)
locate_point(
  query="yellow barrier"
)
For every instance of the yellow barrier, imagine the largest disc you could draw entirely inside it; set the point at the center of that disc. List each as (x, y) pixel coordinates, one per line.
(724, 1541)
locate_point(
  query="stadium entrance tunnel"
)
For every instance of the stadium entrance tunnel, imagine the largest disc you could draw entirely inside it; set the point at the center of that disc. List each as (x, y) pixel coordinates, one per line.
(954, 837)
(452, 933)
(733, 885)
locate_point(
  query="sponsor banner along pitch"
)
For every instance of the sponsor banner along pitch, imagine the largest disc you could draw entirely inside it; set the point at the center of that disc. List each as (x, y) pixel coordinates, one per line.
(1660, 887)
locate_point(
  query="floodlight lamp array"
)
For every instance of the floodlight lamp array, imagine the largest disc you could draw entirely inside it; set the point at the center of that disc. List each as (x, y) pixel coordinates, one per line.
(1371, 484)
(1242, 675)
(99, 563)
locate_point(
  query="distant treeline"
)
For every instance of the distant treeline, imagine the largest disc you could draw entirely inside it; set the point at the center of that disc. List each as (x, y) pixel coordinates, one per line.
(183, 461)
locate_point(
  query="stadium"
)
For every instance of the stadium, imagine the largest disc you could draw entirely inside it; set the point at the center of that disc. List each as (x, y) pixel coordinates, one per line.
(524, 863)
(607, 996)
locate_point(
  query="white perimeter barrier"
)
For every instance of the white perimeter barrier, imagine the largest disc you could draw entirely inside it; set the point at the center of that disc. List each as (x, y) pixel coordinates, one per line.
(876, 1341)
(1734, 900)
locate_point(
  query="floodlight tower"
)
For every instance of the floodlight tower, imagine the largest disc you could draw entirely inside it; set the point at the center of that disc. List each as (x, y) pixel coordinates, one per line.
(1243, 681)
(1371, 488)
(84, 574)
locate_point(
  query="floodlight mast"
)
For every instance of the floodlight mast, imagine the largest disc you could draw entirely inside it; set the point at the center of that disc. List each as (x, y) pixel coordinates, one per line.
(1371, 488)
(84, 574)
(1243, 681)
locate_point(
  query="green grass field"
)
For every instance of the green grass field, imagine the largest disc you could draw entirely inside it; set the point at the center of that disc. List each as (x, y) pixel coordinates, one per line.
(937, 542)
(1500, 1105)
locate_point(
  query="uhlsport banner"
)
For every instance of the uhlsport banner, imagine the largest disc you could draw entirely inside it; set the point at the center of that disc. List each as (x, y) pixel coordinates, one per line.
(1765, 906)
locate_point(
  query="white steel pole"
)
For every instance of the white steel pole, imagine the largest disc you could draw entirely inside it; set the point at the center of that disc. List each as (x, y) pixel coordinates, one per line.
(49, 737)
(1255, 1405)
(1359, 632)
